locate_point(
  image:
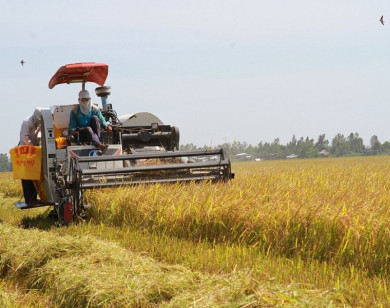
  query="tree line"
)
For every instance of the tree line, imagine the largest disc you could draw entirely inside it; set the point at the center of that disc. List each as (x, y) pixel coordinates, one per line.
(340, 145)
(352, 145)
(5, 163)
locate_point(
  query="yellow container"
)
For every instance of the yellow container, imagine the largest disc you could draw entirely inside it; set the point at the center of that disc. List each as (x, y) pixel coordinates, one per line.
(41, 189)
(26, 162)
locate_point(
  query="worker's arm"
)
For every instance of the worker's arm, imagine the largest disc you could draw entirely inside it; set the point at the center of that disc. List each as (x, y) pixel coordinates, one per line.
(25, 134)
(103, 121)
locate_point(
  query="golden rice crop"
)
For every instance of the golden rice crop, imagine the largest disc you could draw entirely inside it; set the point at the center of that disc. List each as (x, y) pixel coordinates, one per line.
(330, 210)
(304, 232)
(10, 187)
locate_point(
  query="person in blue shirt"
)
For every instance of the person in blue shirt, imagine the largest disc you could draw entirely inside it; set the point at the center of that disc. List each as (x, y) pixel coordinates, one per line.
(87, 120)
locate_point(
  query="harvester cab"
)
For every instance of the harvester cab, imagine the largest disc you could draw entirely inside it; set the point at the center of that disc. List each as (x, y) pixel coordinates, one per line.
(141, 149)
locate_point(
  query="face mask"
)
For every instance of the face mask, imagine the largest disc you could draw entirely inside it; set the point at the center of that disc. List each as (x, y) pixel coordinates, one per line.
(85, 106)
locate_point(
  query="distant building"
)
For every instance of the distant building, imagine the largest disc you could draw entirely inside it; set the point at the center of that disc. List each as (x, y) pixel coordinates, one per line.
(243, 156)
(292, 156)
(324, 153)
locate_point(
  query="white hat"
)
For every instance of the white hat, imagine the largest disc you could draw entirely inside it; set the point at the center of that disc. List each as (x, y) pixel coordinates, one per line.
(84, 94)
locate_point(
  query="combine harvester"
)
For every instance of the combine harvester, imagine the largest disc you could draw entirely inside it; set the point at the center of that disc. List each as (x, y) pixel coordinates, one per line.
(142, 149)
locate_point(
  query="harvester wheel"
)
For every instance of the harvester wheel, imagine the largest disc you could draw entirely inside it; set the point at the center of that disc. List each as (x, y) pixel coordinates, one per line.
(175, 139)
(65, 212)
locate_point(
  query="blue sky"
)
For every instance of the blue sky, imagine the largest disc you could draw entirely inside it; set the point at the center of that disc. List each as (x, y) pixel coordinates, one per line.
(221, 71)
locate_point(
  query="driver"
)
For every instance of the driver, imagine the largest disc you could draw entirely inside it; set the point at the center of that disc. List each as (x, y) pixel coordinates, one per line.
(87, 120)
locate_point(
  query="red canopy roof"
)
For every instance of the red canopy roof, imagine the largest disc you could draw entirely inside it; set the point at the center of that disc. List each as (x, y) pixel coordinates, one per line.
(80, 72)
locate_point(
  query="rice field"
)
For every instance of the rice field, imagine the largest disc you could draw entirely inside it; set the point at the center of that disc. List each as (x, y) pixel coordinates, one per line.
(296, 233)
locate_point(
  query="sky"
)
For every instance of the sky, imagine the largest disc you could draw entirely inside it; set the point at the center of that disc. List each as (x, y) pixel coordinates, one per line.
(221, 70)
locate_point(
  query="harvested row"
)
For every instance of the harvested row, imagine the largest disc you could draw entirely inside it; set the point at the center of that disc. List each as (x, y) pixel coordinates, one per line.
(87, 272)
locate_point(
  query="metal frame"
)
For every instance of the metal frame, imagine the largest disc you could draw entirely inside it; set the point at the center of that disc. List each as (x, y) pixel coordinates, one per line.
(216, 168)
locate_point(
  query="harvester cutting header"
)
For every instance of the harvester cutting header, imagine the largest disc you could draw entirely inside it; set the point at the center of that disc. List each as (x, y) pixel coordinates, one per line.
(137, 148)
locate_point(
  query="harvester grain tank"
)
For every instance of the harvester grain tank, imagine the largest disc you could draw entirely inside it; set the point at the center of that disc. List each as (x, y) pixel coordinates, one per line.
(141, 149)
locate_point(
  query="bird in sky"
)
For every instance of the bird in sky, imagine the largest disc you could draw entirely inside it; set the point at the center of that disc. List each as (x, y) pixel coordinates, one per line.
(22, 62)
(382, 21)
